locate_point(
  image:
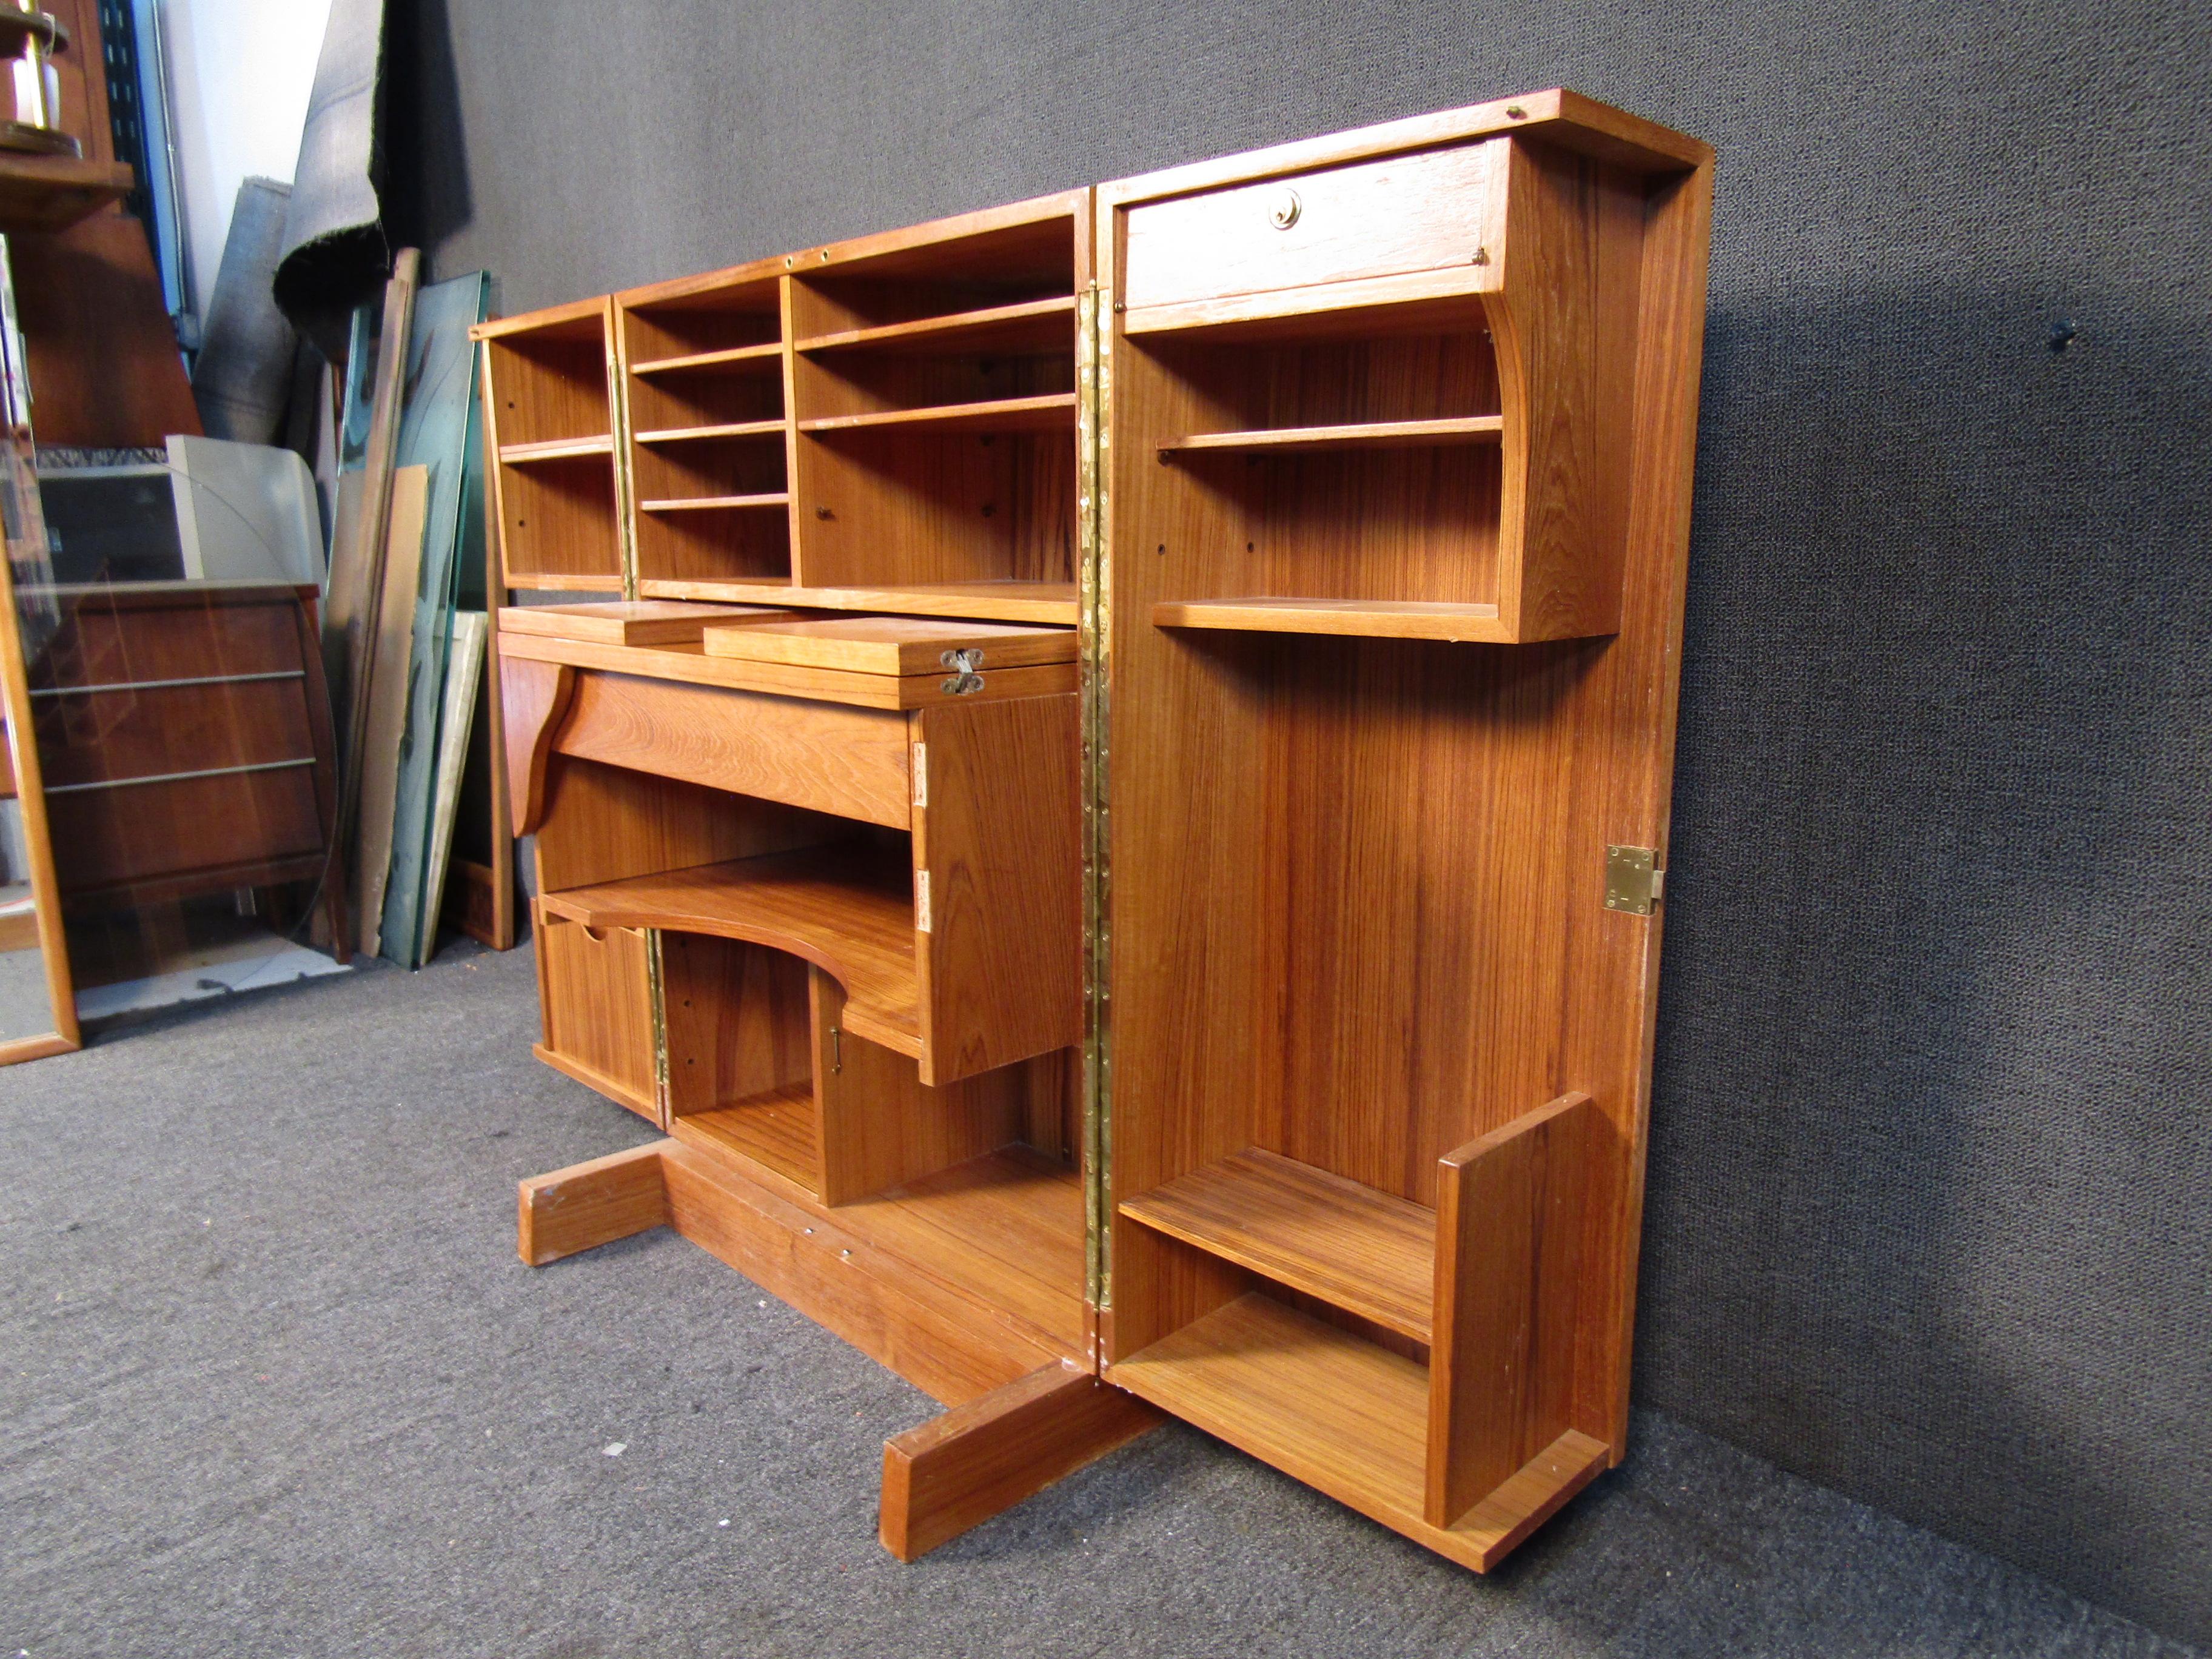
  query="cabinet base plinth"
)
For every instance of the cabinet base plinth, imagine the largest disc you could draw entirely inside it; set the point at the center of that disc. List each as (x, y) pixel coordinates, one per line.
(1026, 1410)
(984, 1457)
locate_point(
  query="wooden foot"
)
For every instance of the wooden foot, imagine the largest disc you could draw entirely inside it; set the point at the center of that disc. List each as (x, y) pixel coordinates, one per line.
(587, 1205)
(965, 1467)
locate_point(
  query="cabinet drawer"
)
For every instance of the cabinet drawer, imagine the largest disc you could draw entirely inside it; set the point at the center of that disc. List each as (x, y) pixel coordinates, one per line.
(1431, 211)
(596, 990)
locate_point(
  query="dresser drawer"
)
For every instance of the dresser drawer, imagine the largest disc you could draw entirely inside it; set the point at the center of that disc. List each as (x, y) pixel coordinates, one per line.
(1431, 211)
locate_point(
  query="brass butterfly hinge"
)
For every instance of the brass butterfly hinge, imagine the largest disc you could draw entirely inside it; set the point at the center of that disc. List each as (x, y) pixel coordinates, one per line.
(1633, 880)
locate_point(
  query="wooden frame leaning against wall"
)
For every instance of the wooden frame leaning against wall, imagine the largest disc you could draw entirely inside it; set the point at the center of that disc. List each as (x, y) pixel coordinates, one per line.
(1323, 510)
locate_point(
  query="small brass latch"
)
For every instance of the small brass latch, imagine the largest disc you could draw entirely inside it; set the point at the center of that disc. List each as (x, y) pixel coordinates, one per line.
(967, 665)
(1633, 880)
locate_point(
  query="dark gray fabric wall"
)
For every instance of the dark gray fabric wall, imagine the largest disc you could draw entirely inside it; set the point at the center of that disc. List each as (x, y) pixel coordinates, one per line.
(1931, 1153)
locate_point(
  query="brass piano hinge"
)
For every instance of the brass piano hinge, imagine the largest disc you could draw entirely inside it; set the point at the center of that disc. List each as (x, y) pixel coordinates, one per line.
(656, 982)
(1093, 349)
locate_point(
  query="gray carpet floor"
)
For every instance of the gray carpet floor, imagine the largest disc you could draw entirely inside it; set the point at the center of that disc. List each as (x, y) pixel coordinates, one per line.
(273, 1381)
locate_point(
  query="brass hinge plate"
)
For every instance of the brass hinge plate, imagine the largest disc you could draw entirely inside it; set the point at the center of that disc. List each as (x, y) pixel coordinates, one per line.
(1633, 881)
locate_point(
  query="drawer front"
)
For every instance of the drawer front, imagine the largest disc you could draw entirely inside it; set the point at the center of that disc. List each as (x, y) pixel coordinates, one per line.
(128, 732)
(597, 996)
(1407, 213)
(826, 756)
(99, 645)
(221, 826)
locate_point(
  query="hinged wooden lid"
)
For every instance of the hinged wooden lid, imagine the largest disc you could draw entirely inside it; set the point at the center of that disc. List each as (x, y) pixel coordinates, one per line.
(627, 621)
(894, 645)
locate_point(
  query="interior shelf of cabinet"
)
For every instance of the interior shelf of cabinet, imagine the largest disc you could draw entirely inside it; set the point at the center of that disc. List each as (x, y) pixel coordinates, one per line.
(748, 359)
(557, 449)
(1368, 435)
(847, 908)
(1051, 411)
(542, 582)
(1031, 325)
(1368, 1252)
(1325, 1405)
(715, 503)
(1385, 619)
(1006, 601)
(682, 434)
(775, 1128)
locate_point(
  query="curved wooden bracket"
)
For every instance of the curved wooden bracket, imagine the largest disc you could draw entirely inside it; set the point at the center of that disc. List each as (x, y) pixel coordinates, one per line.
(534, 698)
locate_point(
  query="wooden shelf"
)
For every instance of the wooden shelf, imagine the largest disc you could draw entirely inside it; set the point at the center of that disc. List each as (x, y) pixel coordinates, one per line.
(1345, 1416)
(696, 434)
(1040, 325)
(52, 192)
(557, 449)
(542, 582)
(1370, 435)
(1006, 601)
(1386, 619)
(714, 503)
(751, 358)
(776, 1128)
(845, 908)
(1316, 1402)
(1368, 1252)
(1051, 412)
(1006, 1227)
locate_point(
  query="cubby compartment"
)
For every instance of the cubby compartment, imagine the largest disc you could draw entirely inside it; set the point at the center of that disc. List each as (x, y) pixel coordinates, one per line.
(949, 275)
(551, 428)
(704, 374)
(1347, 484)
(723, 326)
(934, 390)
(712, 511)
(1423, 432)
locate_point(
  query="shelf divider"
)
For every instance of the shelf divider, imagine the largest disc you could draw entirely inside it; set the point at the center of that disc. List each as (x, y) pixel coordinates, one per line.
(557, 449)
(714, 503)
(1368, 1252)
(1345, 1416)
(1000, 601)
(756, 356)
(1051, 411)
(682, 434)
(1387, 619)
(1044, 324)
(1366, 435)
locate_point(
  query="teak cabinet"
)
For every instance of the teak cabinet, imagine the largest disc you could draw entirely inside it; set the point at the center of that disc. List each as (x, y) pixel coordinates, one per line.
(1118, 819)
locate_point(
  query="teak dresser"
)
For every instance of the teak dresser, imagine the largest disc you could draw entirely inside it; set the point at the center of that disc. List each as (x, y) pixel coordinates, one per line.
(1117, 813)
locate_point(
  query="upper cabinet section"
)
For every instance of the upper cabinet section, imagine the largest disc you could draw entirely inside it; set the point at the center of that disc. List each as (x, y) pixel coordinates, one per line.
(549, 426)
(1389, 394)
(705, 381)
(935, 401)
